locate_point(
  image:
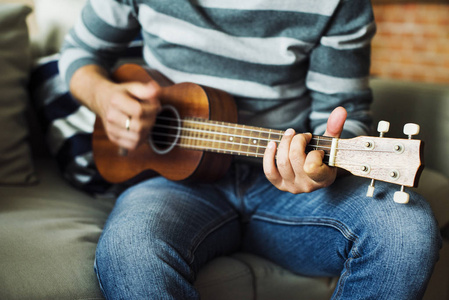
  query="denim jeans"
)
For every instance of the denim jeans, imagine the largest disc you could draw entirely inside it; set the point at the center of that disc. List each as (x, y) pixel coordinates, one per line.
(160, 234)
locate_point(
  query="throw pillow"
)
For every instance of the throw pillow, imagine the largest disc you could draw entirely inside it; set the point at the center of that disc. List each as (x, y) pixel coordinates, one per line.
(16, 166)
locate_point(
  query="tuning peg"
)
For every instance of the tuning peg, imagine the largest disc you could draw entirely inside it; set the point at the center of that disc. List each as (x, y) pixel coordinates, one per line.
(383, 127)
(370, 191)
(411, 129)
(401, 196)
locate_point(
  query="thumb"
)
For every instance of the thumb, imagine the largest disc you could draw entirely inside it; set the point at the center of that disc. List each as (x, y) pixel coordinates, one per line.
(335, 122)
(144, 91)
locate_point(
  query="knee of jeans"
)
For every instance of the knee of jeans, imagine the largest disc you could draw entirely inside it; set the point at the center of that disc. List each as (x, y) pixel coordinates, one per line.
(138, 261)
(404, 233)
(128, 243)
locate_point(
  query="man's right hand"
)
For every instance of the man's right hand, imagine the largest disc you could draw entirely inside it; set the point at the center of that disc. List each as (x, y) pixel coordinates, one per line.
(116, 103)
(128, 111)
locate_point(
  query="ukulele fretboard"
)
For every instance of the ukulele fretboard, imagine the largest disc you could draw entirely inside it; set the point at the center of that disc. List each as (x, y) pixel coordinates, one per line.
(227, 138)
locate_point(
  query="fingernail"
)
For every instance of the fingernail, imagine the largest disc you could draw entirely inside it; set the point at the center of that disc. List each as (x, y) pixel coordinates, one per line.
(271, 145)
(289, 132)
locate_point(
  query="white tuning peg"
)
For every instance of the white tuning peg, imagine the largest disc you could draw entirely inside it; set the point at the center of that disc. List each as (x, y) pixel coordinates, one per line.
(401, 197)
(411, 129)
(383, 127)
(370, 191)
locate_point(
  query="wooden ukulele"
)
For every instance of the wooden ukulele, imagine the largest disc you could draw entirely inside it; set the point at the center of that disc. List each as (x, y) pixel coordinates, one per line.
(198, 124)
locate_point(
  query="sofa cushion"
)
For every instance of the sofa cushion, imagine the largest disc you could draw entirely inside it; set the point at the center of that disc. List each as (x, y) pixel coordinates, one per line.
(48, 239)
(15, 155)
(49, 233)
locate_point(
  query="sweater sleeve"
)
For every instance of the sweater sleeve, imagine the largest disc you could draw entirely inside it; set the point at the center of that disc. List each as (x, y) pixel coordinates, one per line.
(101, 35)
(339, 69)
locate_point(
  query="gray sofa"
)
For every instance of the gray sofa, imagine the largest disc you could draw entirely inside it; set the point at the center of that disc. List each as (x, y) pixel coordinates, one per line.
(49, 229)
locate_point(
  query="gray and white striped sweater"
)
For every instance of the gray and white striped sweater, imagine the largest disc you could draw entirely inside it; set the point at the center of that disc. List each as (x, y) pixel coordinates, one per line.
(288, 63)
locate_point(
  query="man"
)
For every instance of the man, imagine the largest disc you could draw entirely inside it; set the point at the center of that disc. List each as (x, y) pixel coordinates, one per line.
(302, 65)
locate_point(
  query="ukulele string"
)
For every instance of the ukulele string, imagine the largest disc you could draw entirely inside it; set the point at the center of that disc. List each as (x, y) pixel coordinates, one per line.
(256, 141)
(221, 142)
(214, 125)
(222, 150)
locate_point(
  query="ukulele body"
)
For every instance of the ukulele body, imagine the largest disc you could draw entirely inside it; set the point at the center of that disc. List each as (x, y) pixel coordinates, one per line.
(174, 163)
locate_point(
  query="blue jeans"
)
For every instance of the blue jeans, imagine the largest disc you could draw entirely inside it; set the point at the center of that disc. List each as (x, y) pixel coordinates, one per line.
(161, 233)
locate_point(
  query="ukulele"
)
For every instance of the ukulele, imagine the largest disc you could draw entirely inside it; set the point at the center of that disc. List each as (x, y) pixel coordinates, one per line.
(198, 124)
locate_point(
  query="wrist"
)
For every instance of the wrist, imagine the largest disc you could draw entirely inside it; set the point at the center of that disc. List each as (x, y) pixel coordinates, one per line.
(101, 88)
(89, 84)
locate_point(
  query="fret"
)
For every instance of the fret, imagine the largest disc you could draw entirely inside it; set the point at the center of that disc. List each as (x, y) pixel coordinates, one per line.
(263, 142)
(217, 143)
(202, 142)
(186, 135)
(258, 143)
(320, 143)
(231, 139)
(196, 134)
(245, 140)
(279, 137)
(240, 139)
(212, 134)
(251, 141)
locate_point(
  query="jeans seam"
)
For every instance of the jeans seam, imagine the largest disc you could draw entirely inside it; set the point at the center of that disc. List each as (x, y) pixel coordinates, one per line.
(201, 237)
(339, 288)
(97, 272)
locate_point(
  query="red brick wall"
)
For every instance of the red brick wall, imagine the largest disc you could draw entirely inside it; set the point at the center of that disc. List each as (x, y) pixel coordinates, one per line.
(412, 41)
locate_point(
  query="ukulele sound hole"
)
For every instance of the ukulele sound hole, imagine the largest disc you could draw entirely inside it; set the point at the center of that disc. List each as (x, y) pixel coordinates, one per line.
(166, 130)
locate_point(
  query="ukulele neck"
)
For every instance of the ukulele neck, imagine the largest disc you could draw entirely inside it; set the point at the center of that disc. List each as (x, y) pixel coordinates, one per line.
(392, 160)
(235, 139)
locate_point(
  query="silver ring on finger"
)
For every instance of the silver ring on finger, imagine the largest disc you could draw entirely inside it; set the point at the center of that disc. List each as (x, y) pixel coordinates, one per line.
(128, 123)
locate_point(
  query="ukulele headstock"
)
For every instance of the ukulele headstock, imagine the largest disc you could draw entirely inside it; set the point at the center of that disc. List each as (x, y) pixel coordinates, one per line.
(398, 161)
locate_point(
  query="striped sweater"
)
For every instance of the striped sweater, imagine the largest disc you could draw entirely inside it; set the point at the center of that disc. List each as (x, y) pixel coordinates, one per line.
(288, 63)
